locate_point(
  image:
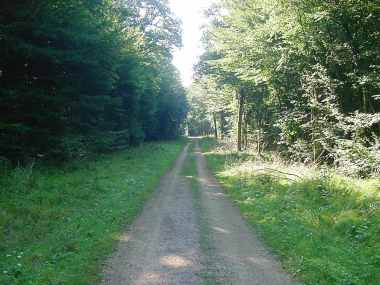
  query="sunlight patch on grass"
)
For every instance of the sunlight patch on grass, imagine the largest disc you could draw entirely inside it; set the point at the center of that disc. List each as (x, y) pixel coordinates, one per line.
(324, 227)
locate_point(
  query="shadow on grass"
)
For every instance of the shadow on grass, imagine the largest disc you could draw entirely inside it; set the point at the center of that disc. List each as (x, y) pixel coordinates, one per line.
(58, 224)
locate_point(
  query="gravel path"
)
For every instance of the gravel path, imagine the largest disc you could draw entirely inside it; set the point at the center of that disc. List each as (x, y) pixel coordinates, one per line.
(180, 240)
(236, 255)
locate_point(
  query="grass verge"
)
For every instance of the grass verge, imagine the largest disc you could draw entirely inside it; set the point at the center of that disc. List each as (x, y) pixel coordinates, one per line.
(325, 228)
(58, 225)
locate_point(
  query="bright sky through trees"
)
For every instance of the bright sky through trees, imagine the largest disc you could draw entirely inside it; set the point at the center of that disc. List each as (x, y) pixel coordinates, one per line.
(190, 13)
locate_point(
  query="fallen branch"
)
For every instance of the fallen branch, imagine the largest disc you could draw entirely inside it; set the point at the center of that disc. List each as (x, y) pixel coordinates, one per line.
(275, 176)
(275, 170)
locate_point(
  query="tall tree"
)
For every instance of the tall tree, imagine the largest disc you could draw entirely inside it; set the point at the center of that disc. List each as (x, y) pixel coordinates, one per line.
(304, 71)
(86, 75)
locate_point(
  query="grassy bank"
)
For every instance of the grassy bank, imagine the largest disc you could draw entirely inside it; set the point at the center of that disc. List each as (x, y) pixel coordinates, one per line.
(325, 228)
(58, 225)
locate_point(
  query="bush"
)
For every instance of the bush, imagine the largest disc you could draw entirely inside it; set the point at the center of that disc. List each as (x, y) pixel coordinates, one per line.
(5, 164)
(109, 141)
(69, 148)
(357, 159)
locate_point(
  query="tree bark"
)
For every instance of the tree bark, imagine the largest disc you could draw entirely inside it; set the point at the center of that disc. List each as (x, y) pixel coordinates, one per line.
(240, 118)
(215, 126)
(221, 124)
(313, 126)
(245, 132)
(258, 146)
(364, 101)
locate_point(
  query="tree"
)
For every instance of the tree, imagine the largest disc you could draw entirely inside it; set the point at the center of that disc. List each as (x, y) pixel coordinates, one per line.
(86, 75)
(302, 70)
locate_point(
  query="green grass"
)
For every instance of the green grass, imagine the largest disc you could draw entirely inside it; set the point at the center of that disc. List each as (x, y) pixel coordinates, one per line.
(58, 225)
(325, 229)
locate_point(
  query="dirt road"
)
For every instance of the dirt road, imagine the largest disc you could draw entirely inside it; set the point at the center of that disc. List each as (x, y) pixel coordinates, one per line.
(182, 238)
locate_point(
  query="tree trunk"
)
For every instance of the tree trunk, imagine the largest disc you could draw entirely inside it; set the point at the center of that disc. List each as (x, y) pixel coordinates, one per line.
(313, 126)
(258, 146)
(240, 118)
(313, 137)
(364, 101)
(221, 124)
(215, 126)
(245, 132)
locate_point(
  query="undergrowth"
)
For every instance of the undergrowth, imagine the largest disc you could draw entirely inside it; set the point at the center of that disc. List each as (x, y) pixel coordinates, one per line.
(324, 227)
(58, 225)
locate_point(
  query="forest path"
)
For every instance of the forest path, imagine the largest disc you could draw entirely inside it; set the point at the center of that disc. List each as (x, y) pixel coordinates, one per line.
(191, 236)
(235, 255)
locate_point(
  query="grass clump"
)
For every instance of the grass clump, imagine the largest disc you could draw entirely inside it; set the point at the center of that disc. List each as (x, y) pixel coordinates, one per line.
(58, 225)
(325, 228)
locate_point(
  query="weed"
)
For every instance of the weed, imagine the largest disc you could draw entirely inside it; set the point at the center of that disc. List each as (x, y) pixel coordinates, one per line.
(325, 228)
(58, 225)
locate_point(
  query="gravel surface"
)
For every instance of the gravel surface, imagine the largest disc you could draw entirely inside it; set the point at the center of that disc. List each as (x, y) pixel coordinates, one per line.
(177, 240)
(237, 256)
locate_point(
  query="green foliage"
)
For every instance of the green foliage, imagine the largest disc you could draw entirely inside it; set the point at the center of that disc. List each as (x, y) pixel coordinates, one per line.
(73, 70)
(197, 118)
(358, 159)
(58, 225)
(325, 228)
(303, 74)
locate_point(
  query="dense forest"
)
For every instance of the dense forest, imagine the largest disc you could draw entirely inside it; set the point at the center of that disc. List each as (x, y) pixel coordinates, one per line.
(97, 186)
(82, 76)
(299, 77)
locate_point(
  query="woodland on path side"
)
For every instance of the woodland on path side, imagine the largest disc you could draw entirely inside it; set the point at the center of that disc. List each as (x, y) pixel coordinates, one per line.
(298, 77)
(80, 77)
